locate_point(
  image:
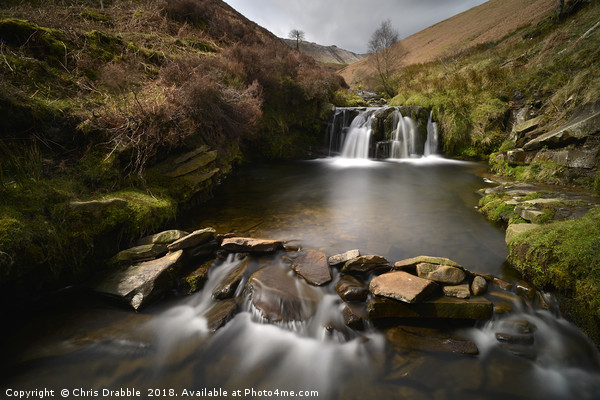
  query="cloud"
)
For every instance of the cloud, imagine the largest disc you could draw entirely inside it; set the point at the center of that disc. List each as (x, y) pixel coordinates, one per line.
(348, 23)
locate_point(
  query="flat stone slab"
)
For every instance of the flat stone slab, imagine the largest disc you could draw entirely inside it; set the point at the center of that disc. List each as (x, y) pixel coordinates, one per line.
(195, 163)
(194, 239)
(139, 253)
(344, 257)
(313, 267)
(429, 339)
(364, 264)
(441, 307)
(402, 286)
(280, 297)
(251, 245)
(140, 283)
(411, 263)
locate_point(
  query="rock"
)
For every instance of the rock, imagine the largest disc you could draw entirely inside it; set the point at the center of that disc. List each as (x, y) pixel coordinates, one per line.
(189, 155)
(226, 288)
(344, 257)
(281, 297)
(502, 284)
(511, 338)
(220, 313)
(203, 251)
(355, 316)
(479, 286)
(312, 266)
(411, 263)
(402, 286)
(519, 157)
(364, 264)
(194, 239)
(251, 245)
(139, 253)
(527, 126)
(441, 273)
(458, 291)
(351, 289)
(429, 339)
(194, 164)
(165, 238)
(530, 214)
(97, 207)
(515, 229)
(196, 279)
(140, 283)
(441, 307)
(583, 125)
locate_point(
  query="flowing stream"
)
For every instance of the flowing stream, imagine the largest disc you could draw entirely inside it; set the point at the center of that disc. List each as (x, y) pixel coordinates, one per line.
(397, 208)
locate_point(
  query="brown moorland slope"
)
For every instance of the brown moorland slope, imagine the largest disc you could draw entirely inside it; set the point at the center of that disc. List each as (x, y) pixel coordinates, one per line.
(487, 22)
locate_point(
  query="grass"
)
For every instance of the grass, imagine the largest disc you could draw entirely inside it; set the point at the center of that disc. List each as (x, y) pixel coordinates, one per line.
(564, 257)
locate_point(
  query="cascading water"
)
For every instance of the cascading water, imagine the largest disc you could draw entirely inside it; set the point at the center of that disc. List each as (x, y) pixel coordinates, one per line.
(431, 144)
(382, 132)
(358, 138)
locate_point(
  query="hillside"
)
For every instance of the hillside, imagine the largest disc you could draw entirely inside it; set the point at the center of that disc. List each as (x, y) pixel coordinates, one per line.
(326, 54)
(488, 22)
(114, 119)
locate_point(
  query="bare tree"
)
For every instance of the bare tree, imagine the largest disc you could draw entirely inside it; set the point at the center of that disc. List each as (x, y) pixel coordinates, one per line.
(296, 35)
(384, 57)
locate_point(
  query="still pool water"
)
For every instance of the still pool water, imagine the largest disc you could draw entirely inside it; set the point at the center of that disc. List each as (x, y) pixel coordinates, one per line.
(91, 348)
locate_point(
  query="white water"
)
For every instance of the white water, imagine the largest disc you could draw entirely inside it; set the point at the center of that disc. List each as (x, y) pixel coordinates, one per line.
(431, 145)
(358, 139)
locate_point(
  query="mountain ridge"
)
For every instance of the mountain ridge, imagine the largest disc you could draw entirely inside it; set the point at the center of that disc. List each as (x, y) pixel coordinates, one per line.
(326, 54)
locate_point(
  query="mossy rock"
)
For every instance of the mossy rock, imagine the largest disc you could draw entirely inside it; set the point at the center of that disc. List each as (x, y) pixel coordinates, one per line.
(44, 43)
(95, 16)
(104, 46)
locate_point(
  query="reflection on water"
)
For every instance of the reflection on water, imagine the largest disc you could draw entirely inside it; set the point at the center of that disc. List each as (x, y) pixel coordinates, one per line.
(395, 209)
(422, 206)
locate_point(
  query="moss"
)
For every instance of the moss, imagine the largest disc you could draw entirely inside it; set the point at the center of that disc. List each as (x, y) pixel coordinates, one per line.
(495, 209)
(95, 16)
(565, 256)
(104, 46)
(347, 98)
(50, 44)
(196, 44)
(596, 185)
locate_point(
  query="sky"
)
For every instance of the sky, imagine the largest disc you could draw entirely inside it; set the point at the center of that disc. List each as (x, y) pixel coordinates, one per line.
(348, 24)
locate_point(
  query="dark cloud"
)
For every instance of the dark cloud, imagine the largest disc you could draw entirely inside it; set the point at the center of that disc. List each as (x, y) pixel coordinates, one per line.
(348, 23)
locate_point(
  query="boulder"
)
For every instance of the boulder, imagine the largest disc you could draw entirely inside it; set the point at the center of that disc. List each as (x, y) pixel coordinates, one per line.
(227, 286)
(440, 307)
(441, 273)
(140, 283)
(165, 238)
(251, 245)
(344, 257)
(479, 286)
(280, 297)
(402, 286)
(365, 264)
(139, 253)
(515, 229)
(530, 214)
(194, 239)
(351, 289)
(220, 313)
(458, 291)
(411, 263)
(313, 267)
(527, 126)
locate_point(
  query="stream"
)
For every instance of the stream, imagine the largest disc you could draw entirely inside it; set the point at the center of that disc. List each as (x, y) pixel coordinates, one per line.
(92, 348)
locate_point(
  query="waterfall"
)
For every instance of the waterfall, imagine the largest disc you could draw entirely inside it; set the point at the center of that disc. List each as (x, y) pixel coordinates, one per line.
(358, 138)
(385, 132)
(431, 145)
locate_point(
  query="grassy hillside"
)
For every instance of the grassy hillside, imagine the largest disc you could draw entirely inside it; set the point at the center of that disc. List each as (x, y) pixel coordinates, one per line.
(94, 102)
(488, 22)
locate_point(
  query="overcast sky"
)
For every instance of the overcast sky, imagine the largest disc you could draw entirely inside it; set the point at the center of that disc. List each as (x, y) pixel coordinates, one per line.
(348, 23)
